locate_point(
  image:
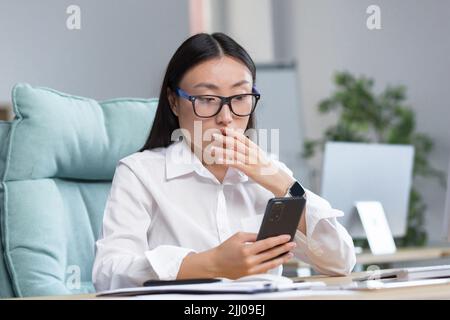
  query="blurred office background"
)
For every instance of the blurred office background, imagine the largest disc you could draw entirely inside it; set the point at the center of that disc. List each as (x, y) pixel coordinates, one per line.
(123, 48)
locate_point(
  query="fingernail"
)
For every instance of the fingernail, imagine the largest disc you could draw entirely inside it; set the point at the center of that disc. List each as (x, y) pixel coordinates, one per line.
(286, 237)
(290, 254)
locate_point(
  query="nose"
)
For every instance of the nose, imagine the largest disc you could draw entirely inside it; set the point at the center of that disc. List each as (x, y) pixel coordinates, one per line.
(225, 116)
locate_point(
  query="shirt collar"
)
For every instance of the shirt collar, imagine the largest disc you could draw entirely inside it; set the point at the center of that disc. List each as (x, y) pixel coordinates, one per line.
(180, 160)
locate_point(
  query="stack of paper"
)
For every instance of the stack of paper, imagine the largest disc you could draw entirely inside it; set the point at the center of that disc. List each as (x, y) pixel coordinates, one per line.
(222, 287)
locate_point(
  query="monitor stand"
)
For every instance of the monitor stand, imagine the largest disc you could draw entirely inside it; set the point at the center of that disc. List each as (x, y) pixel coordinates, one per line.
(375, 225)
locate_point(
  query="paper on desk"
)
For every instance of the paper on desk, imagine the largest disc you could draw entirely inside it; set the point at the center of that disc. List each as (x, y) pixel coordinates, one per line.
(392, 284)
(282, 295)
(212, 288)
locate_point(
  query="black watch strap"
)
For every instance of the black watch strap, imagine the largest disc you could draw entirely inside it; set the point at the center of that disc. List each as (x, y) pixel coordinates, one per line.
(296, 190)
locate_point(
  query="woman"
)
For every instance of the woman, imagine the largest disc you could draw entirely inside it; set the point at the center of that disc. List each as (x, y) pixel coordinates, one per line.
(190, 208)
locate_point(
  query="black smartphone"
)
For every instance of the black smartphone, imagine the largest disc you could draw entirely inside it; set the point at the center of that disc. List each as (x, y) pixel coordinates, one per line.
(282, 216)
(156, 283)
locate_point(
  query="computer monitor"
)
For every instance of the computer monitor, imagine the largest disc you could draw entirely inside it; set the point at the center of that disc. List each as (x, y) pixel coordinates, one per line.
(447, 209)
(368, 172)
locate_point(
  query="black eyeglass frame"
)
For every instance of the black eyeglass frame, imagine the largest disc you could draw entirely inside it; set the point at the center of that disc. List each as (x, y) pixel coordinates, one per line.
(223, 101)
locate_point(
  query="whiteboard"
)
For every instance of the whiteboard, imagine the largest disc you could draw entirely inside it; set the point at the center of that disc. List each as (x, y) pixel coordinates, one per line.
(279, 108)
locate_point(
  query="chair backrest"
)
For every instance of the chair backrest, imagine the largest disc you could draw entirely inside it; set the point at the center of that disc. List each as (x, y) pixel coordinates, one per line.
(57, 160)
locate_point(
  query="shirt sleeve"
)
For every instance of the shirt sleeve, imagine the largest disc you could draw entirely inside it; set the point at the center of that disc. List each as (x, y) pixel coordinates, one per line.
(327, 246)
(123, 258)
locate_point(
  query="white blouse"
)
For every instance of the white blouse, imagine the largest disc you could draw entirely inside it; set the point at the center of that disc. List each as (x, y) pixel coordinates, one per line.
(164, 204)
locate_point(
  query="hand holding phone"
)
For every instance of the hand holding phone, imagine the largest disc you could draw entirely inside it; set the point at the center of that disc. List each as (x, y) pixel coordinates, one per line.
(282, 216)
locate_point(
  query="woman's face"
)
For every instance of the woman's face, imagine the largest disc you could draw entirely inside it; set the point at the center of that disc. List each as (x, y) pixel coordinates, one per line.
(224, 76)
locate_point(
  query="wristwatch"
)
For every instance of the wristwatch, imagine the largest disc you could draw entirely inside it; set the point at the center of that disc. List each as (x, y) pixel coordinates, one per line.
(296, 190)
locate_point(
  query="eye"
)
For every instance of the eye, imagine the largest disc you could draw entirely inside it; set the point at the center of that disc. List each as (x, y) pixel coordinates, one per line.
(206, 99)
(243, 97)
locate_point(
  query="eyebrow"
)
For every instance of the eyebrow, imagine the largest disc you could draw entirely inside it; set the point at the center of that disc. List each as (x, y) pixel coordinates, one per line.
(214, 87)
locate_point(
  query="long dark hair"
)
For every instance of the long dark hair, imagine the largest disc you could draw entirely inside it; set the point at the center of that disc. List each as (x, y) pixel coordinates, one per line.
(196, 49)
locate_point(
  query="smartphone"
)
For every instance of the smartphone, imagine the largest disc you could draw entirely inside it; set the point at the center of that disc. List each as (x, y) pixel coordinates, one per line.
(282, 216)
(156, 283)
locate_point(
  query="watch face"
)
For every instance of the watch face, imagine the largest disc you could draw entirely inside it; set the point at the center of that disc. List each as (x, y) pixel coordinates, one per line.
(297, 190)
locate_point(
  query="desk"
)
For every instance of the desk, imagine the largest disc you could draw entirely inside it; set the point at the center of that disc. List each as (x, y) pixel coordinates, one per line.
(440, 291)
(402, 255)
(419, 292)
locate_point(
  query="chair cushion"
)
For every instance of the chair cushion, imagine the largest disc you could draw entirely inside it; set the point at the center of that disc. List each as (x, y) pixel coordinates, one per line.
(57, 160)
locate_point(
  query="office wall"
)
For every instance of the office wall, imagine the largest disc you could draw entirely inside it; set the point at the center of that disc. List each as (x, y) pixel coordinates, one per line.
(249, 22)
(412, 48)
(121, 49)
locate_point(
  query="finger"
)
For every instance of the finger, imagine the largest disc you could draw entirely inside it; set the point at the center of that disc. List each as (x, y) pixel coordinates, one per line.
(251, 150)
(234, 164)
(273, 253)
(254, 152)
(252, 155)
(269, 243)
(209, 154)
(226, 156)
(266, 266)
(246, 236)
(239, 136)
(214, 153)
(229, 143)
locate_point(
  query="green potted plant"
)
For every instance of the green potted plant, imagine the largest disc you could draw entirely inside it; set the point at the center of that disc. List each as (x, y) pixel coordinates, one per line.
(364, 116)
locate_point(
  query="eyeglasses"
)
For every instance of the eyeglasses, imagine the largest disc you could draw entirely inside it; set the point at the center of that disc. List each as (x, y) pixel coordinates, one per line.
(207, 106)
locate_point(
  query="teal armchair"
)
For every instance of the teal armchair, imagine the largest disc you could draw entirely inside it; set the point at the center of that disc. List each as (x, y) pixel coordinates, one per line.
(57, 161)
